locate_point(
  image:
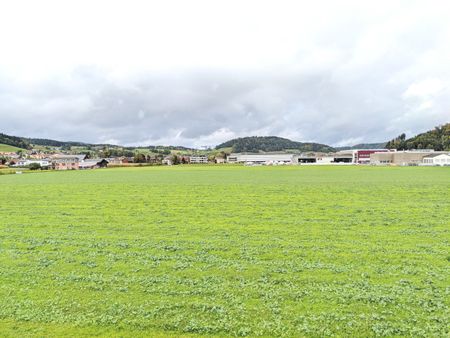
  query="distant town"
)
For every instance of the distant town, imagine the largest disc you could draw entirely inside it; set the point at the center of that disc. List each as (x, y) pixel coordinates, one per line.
(431, 148)
(345, 157)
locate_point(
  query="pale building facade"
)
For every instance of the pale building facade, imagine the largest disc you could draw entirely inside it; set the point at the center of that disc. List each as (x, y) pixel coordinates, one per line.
(437, 159)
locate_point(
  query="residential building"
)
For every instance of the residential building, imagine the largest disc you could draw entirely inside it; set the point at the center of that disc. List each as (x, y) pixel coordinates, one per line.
(66, 162)
(197, 159)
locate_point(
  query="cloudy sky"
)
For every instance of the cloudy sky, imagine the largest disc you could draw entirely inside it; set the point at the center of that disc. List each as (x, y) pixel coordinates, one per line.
(197, 73)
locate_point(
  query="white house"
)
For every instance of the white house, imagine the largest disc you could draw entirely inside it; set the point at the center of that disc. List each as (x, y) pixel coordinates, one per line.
(437, 159)
(167, 160)
(27, 162)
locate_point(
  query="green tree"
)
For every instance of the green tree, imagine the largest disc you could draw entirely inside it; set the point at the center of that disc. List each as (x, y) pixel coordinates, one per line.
(175, 159)
(140, 158)
(35, 166)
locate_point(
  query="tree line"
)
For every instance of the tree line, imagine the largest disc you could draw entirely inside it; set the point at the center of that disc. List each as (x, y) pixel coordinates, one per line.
(437, 139)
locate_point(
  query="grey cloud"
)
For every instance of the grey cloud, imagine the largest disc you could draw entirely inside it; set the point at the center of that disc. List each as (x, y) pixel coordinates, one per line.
(352, 97)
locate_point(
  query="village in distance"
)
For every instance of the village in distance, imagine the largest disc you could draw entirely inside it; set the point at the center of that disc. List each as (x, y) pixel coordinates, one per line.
(428, 149)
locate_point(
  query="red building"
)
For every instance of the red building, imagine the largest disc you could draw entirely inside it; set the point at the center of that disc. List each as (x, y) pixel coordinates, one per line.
(363, 156)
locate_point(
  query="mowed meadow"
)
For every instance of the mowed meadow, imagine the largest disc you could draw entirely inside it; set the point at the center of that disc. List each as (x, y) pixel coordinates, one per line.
(226, 251)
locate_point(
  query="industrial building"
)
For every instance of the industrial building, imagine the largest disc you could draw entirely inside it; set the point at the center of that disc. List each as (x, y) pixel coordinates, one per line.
(403, 158)
(354, 156)
(263, 158)
(357, 156)
(437, 159)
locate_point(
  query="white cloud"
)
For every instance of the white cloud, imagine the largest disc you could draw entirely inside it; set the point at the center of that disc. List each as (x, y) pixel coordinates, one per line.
(425, 88)
(198, 72)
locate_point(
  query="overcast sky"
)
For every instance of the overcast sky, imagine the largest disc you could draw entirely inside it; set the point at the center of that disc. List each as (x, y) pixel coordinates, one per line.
(198, 73)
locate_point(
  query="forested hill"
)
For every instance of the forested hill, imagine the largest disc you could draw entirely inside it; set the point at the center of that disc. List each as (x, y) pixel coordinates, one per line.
(14, 141)
(437, 139)
(364, 146)
(54, 143)
(271, 143)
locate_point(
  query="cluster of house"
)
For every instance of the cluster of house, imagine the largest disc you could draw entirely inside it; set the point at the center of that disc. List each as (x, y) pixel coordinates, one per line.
(65, 162)
(189, 159)
(76, 162)
(345, 157)
(358, 156)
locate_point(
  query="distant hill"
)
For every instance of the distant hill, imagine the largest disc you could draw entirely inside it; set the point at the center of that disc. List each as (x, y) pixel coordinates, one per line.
(28, 143)
(54, 143)
(364, 146)
(14, 141)
(437, 139)
(271, 143)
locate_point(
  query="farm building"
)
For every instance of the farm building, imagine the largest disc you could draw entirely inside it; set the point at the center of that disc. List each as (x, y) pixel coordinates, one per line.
(437, 159)
(93, 164)
(266, 158)
(117, 160)
(196, 159)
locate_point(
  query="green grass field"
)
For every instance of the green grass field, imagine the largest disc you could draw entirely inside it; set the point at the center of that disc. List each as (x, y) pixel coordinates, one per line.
(9, 149)
(226, 251)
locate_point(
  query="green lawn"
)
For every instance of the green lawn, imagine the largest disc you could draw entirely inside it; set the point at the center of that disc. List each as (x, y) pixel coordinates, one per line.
(226, 250)
(8, 149)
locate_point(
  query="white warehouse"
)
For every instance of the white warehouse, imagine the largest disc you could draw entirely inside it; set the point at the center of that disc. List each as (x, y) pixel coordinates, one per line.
(265, 158)
(437, 159)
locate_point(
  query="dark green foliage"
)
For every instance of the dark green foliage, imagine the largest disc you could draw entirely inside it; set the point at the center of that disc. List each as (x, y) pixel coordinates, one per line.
(140, 158)
(271, 143)
(65, 144)
(364, 146)
(175, 159)
(35, 166)
(437, 139)
(14, 141)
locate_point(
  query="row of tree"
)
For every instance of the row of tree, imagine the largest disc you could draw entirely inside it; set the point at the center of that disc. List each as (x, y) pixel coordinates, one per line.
(437, 139)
